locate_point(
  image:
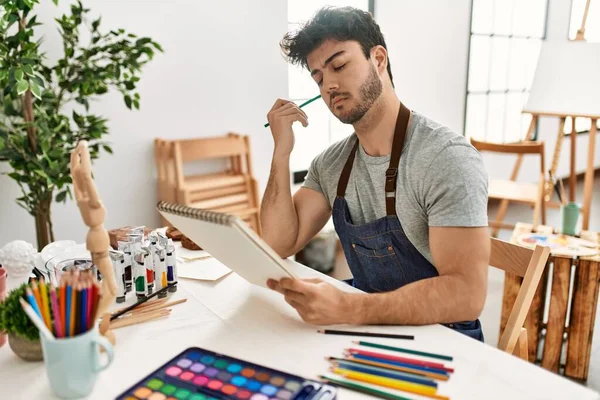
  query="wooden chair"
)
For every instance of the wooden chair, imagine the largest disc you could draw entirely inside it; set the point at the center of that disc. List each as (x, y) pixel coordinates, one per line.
(233, 191)
(511, 190)
(528, 264)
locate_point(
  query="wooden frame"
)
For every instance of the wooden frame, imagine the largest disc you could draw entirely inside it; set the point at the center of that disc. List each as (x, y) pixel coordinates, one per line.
(233, 190)
(511, 190)
(571, 313)
(528, 264)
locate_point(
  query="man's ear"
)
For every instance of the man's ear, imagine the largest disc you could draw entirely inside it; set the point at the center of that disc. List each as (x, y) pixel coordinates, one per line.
(380, 56)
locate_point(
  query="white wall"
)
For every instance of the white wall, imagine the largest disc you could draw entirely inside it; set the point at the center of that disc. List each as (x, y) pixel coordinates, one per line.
(428, 45)
(221, 71)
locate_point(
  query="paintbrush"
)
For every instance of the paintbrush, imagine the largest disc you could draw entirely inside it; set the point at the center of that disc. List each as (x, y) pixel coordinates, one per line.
(36, 320)
(141, 301)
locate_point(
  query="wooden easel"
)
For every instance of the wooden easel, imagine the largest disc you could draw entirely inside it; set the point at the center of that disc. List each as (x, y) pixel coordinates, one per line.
(589, 174)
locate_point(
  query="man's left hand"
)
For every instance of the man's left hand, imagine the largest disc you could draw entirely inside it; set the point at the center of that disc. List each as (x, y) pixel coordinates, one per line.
(317, 302)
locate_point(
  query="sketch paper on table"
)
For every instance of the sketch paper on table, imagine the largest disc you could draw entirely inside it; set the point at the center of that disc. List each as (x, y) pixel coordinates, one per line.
(205, 270)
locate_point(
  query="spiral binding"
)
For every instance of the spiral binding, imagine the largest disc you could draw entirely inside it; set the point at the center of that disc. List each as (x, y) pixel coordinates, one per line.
(196, 213)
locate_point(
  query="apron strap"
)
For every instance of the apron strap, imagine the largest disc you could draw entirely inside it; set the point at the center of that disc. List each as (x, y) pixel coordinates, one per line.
(345, 176)
(391, 174)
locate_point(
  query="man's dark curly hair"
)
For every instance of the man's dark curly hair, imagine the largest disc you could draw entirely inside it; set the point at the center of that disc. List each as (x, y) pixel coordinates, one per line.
(337, 23)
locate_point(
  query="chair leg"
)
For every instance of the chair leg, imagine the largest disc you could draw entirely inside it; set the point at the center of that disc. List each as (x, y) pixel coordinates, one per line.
(521, 349)
(500, 216)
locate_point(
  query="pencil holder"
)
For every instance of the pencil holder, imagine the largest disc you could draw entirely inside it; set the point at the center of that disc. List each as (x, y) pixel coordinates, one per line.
(570, 216)
(73, 363)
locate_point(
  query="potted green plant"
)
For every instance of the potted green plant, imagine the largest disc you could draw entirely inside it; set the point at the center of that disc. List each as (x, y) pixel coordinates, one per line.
(23, 336)
(37, 132)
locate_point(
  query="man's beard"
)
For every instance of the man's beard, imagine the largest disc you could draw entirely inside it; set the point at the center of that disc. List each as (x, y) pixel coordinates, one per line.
(369, 91)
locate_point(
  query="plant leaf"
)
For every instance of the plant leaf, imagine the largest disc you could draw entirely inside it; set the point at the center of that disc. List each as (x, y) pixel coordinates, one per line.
(28, 70)
(22, 87)
(35, 90)
(61, 196)
(19, 74)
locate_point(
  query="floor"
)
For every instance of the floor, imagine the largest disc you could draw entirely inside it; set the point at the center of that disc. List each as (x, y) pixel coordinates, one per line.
(490, 317)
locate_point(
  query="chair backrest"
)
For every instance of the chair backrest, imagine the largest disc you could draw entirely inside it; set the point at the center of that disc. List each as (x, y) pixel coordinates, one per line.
(523, 147)
(172, 154)
(528, 264)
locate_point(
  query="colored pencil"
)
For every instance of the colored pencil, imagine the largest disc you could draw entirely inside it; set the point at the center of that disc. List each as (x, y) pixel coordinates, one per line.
(139, 302)
(346, 384)
(37, 321)
(400, 359)
(83, 321)
(408, 369)
(368, 334)
(383, 362)
(401, 350)
(88, 316)
(68, 310)
(38, 298)
(388, 382)
(386, 373)
(73, 309)
(33, 302)
(55, 311)
(62, 299)
(45, 306)
(307, 102)
(95, 300)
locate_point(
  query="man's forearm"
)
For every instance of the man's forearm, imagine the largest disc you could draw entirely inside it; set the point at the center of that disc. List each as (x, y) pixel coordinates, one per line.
(442, 299)
(278, 215)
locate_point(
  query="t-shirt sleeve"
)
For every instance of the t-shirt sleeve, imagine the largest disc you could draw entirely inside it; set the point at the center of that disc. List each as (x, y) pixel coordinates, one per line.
(312, 179)
(456, 188)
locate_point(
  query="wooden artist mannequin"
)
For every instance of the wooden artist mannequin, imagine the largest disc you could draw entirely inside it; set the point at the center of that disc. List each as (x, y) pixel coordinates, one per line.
(93, 214)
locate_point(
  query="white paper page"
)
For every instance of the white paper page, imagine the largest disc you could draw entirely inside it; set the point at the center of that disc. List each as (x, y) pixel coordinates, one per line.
(205, 270)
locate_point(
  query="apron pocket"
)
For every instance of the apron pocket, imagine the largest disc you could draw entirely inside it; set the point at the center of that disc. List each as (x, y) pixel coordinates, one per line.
(381, 269)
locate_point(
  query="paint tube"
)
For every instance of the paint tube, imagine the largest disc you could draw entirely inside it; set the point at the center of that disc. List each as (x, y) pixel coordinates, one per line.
(171, 265)
(118, 262)
(160, 269)
(126, 249)
(139, 272)
(149, 266)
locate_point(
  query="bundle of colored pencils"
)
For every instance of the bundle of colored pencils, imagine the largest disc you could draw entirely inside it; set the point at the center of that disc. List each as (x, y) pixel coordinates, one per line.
(70, 309)
(362, 370)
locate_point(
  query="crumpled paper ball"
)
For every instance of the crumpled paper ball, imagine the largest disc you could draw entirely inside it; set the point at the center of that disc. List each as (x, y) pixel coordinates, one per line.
(18, 257)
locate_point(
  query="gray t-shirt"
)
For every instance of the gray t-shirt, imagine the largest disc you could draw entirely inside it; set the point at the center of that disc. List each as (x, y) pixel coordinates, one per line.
(441, 181)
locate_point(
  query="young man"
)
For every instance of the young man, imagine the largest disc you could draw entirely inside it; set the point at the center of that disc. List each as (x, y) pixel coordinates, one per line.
(408, 196)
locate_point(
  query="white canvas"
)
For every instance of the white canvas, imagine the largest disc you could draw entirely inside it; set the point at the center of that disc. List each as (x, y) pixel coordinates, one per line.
(567, 80)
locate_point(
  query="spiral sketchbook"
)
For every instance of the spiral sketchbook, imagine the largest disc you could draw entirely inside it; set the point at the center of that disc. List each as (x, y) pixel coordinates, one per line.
(228, 239)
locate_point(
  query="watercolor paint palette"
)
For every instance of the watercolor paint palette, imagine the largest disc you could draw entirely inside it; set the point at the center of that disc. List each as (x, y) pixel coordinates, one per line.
(198, 374)
(560, 244)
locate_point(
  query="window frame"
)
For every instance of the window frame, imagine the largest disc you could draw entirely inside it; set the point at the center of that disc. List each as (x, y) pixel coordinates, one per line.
(488, 92)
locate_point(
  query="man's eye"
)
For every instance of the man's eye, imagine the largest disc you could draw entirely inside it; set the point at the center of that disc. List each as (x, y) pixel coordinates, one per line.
(339, 68)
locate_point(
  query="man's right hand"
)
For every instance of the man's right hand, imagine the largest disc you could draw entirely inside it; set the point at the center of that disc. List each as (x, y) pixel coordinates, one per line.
(281, 117)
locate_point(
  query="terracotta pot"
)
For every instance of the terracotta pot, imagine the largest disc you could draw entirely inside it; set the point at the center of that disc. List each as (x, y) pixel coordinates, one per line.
(26, 349)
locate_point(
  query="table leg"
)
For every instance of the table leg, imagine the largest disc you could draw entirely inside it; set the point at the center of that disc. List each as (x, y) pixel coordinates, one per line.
(558, 313)
(581, 326)
(588, 185)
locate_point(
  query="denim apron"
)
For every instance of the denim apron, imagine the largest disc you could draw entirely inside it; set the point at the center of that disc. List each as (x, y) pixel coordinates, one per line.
(380, 256)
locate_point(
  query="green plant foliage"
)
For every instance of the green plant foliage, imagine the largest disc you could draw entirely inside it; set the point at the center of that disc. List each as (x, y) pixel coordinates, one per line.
(37, 133)
(12, 317)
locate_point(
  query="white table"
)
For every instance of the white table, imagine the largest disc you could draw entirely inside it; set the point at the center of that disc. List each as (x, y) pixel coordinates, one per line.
(235, 318)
